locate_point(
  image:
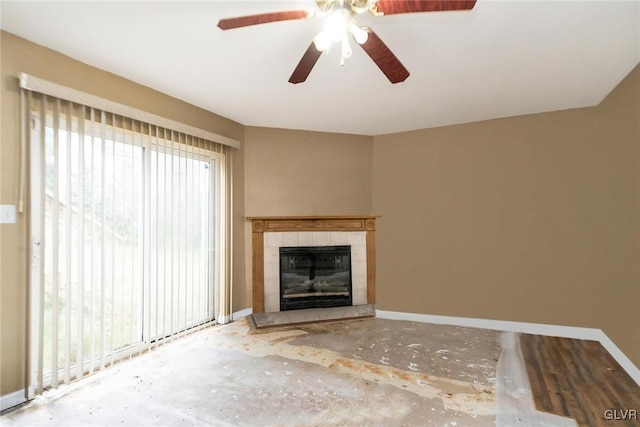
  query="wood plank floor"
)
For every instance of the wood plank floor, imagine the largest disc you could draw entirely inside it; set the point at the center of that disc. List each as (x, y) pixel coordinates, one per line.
(581, 380)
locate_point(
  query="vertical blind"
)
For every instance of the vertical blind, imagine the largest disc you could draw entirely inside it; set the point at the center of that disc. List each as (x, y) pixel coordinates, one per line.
(130, 236)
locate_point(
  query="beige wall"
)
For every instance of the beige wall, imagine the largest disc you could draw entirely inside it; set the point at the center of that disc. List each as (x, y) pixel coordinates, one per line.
(290, 172)
(532, 218)
(18, 55)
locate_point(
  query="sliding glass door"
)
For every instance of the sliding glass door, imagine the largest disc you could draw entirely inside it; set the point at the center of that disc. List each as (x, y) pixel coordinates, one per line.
(180, 231)
(127, 234)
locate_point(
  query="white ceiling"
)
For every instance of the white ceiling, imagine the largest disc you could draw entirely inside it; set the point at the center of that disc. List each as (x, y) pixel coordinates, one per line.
(503, 58)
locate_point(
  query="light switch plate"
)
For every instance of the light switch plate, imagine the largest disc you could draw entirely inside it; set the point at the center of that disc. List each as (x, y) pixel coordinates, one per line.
(7, 214)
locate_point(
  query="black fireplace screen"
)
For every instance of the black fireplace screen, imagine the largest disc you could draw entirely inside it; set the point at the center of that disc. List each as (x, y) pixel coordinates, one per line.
(315, 276)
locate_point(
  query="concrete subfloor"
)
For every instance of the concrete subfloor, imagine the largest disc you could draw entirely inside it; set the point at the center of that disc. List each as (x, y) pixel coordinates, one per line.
(372, 372)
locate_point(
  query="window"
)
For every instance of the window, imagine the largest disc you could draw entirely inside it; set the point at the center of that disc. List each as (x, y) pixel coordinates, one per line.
(129, 228)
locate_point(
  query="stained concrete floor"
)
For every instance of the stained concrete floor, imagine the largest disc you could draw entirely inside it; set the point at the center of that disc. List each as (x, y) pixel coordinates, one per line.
(373, 372)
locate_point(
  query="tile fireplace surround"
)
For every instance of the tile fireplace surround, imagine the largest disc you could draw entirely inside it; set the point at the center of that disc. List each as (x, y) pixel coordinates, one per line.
(271, 233)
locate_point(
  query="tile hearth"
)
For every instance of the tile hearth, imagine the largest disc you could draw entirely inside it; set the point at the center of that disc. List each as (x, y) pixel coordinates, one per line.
(309, 315)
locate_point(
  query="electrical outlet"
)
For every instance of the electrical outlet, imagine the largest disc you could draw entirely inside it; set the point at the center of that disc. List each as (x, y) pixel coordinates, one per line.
(7, 214)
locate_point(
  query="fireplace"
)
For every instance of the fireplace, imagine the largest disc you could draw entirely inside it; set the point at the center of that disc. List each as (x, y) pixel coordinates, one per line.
(329, 233)
(315, 277)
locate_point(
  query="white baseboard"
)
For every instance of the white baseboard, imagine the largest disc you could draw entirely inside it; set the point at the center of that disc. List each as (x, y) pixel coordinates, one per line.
(240, 314)
(12, 399)
(525, 328)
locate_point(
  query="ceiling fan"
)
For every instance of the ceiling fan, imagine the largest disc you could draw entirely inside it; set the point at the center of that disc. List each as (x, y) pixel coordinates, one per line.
(340, 26)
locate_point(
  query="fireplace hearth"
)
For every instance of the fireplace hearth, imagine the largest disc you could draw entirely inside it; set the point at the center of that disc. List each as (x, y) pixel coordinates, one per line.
(315, 277)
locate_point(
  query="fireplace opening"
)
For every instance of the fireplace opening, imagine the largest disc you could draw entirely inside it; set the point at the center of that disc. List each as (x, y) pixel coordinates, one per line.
(314, 277)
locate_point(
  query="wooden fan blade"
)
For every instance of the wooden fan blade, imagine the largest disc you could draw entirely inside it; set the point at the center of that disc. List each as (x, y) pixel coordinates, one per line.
(264, 18)
(306, 64)
(389, 7)
(385, 59)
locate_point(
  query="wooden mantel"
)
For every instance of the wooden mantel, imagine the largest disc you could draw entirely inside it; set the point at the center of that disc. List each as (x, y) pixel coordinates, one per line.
(266, 224)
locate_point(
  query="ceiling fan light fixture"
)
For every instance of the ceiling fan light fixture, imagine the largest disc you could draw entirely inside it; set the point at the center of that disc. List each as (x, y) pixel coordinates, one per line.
(337, 24)
(322, 42)
(360, 34)
(340, 26)
(346, 49)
